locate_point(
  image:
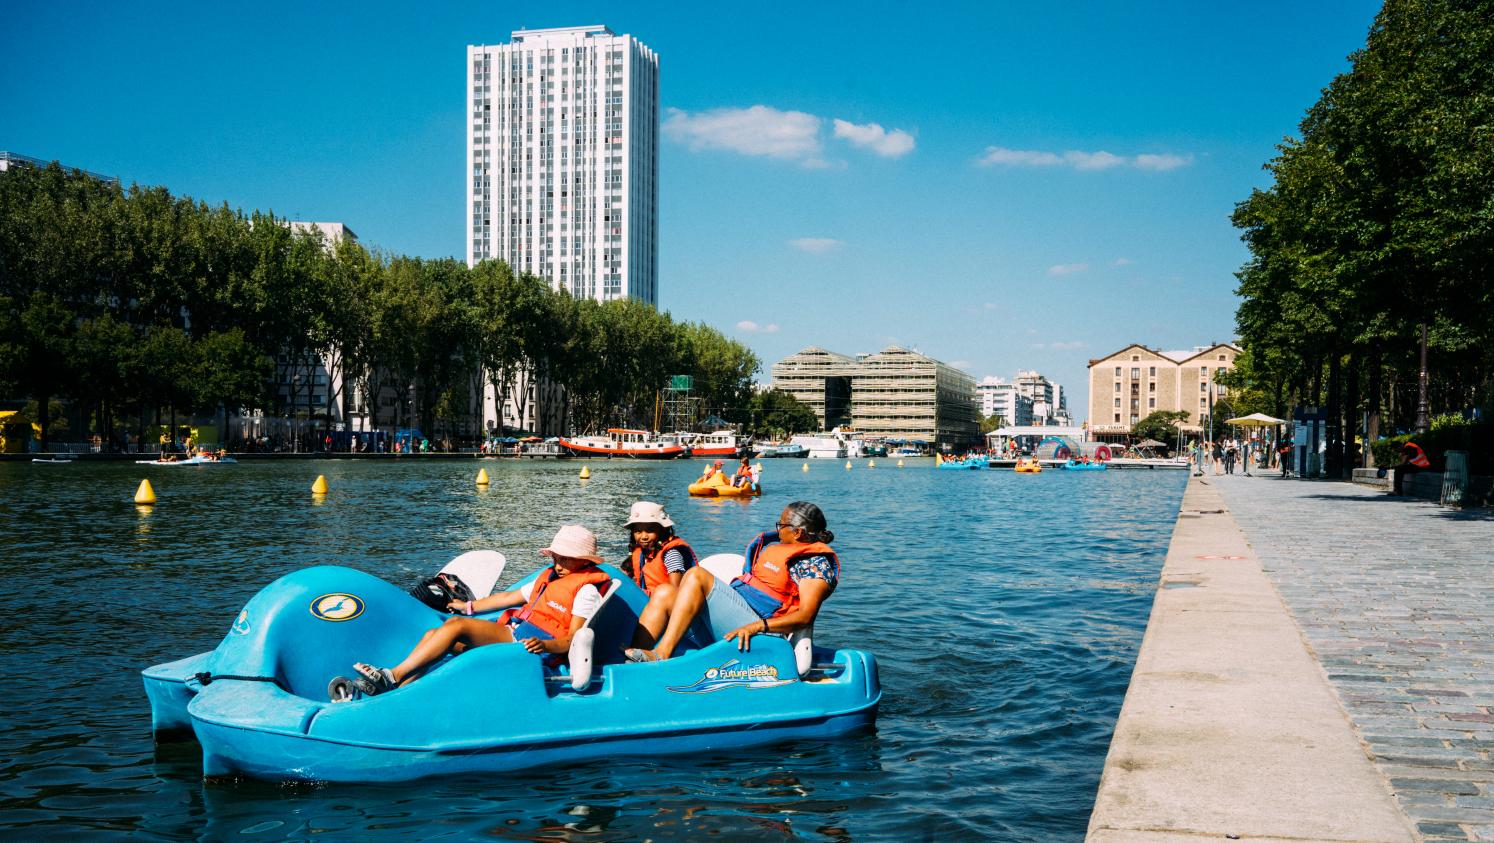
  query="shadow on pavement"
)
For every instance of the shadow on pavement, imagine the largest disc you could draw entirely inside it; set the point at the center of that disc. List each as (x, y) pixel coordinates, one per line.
(1472, 514)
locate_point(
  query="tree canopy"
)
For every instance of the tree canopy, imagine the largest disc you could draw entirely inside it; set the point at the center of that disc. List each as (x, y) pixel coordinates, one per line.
(128, 301)
(1379, 221)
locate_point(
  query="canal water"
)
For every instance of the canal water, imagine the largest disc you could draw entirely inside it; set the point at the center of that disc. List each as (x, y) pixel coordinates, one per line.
(1005, 610)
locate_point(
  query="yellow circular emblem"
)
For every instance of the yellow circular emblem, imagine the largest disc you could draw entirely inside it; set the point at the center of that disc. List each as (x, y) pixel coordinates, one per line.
(337, 607)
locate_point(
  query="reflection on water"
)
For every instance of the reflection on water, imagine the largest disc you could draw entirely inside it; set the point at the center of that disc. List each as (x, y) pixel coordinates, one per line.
(1005, 610)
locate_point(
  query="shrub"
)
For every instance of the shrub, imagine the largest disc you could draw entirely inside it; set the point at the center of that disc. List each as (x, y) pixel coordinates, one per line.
(1477, 438)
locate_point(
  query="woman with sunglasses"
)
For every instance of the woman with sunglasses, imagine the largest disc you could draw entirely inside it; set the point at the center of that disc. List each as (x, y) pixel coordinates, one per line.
(790, 572)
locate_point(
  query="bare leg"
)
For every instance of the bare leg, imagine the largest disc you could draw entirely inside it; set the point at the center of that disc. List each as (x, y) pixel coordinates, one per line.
(692, 593)
(464, 632)
(655, 615)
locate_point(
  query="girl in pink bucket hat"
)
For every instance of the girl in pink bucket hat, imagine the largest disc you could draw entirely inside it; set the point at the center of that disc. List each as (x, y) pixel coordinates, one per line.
(554, 606)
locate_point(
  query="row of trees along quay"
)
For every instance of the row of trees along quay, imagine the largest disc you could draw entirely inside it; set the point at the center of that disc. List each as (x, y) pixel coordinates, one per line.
(1368, 289)
(136, 304)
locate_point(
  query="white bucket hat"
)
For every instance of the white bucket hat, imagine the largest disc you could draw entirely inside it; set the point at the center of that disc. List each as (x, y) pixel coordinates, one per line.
(648, 512)
(574, 541)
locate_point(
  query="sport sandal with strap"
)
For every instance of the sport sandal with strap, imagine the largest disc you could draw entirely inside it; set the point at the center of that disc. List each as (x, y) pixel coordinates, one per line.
(374, 680)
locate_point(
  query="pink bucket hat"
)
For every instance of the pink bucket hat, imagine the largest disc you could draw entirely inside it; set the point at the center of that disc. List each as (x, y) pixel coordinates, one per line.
(575, 541)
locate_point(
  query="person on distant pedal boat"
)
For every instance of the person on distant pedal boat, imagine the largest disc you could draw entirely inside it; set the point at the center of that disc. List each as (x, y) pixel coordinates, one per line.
(555, 606)
(744, 473)
(791, 573)
(657, 562)
(712, 469)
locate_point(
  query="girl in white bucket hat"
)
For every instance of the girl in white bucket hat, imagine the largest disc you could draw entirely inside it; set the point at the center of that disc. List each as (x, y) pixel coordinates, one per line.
(555, 605)
(657, 562)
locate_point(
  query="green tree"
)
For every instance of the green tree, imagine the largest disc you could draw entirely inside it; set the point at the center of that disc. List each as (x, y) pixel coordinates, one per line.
(1161, 425)
(776, 414)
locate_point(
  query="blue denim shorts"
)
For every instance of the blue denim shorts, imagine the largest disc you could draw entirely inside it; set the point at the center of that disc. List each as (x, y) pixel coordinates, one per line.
(525, 629)
(723, 611)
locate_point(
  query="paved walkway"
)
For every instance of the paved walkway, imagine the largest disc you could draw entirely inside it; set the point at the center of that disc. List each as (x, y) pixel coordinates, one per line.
(1396, 600)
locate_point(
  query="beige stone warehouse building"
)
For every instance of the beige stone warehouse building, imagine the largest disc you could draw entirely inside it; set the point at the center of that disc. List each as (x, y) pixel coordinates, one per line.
(1127, 386)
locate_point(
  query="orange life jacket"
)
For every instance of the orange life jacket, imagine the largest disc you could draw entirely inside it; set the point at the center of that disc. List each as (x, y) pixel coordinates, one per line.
(1419, 458)
(769, 571)
(552, 597)
(651, 573)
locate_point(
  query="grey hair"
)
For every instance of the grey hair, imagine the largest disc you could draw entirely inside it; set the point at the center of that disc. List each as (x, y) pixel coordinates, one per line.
(808, 517)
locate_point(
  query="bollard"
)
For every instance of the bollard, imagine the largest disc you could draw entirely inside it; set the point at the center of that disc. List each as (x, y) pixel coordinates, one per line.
(320, 486)
(482, 477)
(145, 495)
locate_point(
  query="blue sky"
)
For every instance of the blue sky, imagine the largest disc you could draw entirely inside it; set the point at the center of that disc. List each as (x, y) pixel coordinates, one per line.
(1001, 186)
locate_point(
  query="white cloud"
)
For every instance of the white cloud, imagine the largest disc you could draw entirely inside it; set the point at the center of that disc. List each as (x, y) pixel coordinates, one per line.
(1018, 157)
(1079, 159)
(1122, 262)
(1162, 163)
(747, 326)
(759, 131)
(893, 144)
(1067, 268)
(767, 132)
(816, 245)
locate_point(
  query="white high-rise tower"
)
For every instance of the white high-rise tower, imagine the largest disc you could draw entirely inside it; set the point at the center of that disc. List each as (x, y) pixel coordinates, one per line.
(563, 160)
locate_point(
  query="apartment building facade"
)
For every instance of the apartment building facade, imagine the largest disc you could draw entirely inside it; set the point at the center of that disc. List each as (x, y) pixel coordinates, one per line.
(893, 394)
(1136, 381)
(563, 160)
(999, 397)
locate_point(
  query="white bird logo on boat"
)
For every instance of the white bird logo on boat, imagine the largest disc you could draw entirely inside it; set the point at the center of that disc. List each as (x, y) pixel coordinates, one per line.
(337, 607)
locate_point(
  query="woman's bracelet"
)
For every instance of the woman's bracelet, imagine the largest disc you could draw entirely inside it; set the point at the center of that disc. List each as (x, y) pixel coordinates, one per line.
(765, 624)
(469, 607)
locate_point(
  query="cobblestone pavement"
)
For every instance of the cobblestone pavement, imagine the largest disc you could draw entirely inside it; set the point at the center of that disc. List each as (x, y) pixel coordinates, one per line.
(1396, 599)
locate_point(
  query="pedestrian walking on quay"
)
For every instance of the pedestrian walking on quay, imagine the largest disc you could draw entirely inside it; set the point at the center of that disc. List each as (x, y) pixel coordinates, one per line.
(1230, 456)
(1287, 451)
(1198, 459)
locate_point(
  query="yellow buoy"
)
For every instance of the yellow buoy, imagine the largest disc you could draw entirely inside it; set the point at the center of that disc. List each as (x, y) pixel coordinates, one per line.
(871, 463)
(145, 495)
(806, 466)
(320, 486)
(585, 472)
(900, 463)
(848, 465)
(482, 477)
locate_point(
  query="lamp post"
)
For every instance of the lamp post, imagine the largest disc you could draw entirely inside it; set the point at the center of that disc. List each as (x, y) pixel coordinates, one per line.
(1422, 411)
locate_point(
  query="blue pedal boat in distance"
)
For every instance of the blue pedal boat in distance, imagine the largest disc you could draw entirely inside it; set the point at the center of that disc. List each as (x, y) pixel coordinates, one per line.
(258, 703)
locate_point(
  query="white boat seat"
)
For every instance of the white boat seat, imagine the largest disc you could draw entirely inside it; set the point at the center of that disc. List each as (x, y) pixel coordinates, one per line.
(726, 567)
(601, 639)
(479, 569)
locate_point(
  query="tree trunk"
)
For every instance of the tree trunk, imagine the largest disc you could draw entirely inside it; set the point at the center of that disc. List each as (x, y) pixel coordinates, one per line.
(1372, 429)
(1351, 415)
(44, 418)
(1333, 459)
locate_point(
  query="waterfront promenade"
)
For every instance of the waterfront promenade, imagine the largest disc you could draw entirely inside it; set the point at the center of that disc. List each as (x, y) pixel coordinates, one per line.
(1388, 735)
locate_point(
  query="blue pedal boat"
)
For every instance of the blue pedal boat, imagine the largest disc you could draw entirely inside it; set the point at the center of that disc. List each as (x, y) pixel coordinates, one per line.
(258, 703)
(1084, 466)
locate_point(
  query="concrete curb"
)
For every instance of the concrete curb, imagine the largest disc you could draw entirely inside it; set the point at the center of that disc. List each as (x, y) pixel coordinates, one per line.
(1230, 729)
